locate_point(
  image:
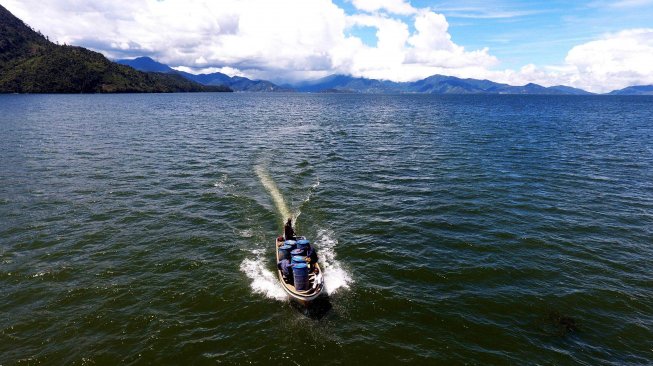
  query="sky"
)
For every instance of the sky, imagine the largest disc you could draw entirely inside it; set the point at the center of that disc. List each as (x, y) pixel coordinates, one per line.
(596, 45)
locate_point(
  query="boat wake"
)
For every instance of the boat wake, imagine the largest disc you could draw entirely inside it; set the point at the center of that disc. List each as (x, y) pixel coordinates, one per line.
(335, 276)
(264, 281)
(272, 188)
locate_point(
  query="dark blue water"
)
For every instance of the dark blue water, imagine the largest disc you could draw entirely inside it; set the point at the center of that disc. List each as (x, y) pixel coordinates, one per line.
(139, 229)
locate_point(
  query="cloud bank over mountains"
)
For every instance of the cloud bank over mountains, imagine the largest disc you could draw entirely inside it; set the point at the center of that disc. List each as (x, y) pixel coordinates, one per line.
(289, 40)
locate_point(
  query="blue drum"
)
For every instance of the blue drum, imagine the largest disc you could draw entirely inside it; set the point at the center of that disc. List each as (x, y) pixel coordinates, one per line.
(284, 252)
(298, 259)
(292, 243)
(300, 275)
(303, 244)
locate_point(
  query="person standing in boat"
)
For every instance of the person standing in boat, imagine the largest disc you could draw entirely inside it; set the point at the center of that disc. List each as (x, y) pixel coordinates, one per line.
(311, 256)
(288, 231)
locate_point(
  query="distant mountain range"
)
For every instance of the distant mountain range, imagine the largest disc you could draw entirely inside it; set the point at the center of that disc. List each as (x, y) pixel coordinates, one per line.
(30, 63)
(236, 83)
(436, 84)
(440, 84)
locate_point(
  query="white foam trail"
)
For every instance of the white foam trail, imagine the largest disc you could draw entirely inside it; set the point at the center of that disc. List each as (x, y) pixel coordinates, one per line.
(264, 281)
(335, 276)
(277, 197)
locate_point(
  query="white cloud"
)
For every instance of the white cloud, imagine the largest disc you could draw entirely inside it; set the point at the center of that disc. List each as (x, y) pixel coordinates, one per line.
(613, 62)
(284, 39)
(249, 35)
(432, 46)
(230, 71)
(402, 56)
(389, 52)
(616, 61)
(392, 6)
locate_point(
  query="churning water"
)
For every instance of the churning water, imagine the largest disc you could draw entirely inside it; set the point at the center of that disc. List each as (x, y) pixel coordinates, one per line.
(139, 229)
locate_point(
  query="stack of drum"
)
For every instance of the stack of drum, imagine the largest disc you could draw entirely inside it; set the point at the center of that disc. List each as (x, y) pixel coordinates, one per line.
(300, 268)
(295, 251)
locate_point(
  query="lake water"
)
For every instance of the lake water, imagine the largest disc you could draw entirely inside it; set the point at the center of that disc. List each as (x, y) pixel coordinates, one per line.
(139, 229)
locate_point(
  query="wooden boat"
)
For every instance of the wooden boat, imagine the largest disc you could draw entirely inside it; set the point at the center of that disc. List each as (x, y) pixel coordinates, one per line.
(315, 280)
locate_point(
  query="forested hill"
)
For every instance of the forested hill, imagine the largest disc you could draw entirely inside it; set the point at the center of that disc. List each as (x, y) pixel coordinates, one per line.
(30, 63)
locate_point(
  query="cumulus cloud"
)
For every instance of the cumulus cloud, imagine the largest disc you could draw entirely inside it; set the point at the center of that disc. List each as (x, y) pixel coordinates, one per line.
(257, 34)
(616, 61)
(432, 45)
(613, 62)
(284, 39)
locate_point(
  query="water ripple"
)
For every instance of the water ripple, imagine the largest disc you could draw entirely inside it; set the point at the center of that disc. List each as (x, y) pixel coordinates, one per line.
(452, 229)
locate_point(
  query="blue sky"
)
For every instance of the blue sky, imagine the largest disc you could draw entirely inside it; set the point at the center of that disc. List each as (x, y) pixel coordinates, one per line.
(597, 45)
(536, 32)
